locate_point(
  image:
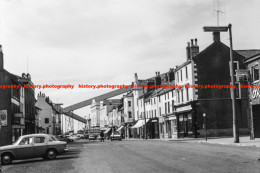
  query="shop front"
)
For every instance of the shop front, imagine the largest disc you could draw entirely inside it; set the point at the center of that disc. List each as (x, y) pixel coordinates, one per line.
(184, 121)
(153, 128)
(255, 105)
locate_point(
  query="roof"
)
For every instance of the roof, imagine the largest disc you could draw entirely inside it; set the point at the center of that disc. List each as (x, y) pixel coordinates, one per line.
(249, 53)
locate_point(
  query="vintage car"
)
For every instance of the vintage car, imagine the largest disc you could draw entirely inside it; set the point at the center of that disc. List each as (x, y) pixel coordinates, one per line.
(31, 146)
(115, 136)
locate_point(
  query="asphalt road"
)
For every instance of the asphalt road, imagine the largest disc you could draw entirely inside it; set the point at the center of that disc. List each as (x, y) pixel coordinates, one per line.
(145, 156)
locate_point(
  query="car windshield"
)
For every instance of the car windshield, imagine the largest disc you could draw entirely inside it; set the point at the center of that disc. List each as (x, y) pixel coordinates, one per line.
(53, 138)
(17, 141)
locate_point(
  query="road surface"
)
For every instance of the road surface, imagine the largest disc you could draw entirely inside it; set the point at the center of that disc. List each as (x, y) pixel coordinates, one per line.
(145, 156)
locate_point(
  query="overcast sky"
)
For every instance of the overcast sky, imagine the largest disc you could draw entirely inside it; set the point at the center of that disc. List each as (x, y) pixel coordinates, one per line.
(107, 41)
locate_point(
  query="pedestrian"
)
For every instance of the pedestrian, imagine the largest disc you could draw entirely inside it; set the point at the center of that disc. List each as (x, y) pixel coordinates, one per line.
(102, 136)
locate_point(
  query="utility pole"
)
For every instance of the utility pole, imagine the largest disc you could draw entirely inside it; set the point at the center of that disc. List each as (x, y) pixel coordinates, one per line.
(217, 29)
(233, 93)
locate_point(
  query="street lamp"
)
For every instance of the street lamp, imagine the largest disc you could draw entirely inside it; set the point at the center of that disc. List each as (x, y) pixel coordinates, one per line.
(217, 29)
(205, 126)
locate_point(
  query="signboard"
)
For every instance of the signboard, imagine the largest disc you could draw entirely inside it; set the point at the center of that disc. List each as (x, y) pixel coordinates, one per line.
(3, 117)
(18, 115)
(18, 127)
(242, 75)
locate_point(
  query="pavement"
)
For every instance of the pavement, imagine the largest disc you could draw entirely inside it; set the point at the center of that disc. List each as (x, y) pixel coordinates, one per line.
(244, 141)
(141, 156)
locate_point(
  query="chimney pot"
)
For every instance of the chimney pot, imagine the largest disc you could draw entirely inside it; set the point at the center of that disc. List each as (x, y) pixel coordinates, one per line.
(196, 41)
(191, 42)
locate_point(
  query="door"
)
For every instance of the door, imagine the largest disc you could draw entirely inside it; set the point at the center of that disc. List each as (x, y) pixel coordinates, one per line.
(25, 148)
(256, 120)
(40, 145)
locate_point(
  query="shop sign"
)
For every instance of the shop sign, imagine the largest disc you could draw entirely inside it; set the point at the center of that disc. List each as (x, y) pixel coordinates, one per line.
(255, 93)
(184, 108)
(3, 117)
(18, 127)
(172, 118)
(18, 115)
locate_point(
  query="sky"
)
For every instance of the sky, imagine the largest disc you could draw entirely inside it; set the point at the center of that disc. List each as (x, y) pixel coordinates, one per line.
(107, 41)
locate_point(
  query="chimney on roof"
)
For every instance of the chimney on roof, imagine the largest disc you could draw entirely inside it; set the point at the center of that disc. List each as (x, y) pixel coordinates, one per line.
(188, 51)
(136, 78)
(171, 75)
(1, 58)
(158, 79)
(216, 36)
(193, 49)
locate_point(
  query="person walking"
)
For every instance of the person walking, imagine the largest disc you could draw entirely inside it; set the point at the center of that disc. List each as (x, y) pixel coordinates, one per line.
(102, 136)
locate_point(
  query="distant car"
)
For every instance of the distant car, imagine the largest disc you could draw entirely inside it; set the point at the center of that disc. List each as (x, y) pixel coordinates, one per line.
(115, 136)
(70, 138)
(92, 137)
(31, 146)
(81, 136)
(65, 138)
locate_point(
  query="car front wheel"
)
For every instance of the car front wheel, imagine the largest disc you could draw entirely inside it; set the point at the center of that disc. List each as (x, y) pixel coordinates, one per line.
(6, 159)
(51, 154)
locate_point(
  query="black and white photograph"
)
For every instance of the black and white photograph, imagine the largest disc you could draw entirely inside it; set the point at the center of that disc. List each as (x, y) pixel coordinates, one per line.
(129, 86)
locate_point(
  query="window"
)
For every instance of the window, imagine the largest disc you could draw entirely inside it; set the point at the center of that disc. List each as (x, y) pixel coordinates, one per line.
(165, 96)
(151, 101)
(168, 95)
(187, 92)
(177, 76)
(172, 93)
(141, 115)
(152, 113)
(155, 113)
(26, 141)
(165, 108)
(181, 95)
(160, 111)
(154, 101)
(159, 99)
(186, 69)
(46, 120)
(181, 75)
(129, 103)
(137, 102)
(39, 140)
(178, 95)
(172, 106)
(255, 73)
(169, 107)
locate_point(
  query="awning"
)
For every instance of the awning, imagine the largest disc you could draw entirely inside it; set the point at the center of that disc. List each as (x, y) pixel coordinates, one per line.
(120, 128)
(107, 130)
(139, 123)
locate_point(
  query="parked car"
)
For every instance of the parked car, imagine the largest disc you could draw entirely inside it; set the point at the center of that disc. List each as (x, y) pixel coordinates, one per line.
(81, 136)
(115, 136)
(92, 137)
(65, 138)
(31, 146)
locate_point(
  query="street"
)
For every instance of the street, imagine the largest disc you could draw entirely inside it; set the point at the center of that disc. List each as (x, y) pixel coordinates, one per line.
(145, 156)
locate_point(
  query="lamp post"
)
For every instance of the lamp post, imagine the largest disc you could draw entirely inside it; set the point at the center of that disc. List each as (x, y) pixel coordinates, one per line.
(205, 126)
(145, 132)
(217, 29)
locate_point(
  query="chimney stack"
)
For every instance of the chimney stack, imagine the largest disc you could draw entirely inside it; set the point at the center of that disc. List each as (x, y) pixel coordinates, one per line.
(194, 49)
(188, 51)
(1, 58)
(158, 79)
(216, 36)
(171, 75)
(136, 78)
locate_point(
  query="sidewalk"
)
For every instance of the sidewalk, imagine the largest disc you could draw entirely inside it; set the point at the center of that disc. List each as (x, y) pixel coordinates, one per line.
(244, 141)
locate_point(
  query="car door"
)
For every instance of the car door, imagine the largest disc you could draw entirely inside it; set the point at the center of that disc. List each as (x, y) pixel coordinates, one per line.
(40, 145)
(25, 148)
